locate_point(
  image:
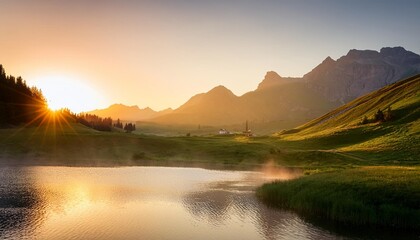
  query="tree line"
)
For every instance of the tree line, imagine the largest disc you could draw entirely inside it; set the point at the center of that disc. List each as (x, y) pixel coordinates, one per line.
(22, 104)
(95, 122)
(103, 124)
(19, 103)
(380, 116)
(128, 127)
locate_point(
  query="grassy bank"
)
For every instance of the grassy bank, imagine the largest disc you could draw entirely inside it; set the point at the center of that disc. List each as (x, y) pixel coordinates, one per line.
(369, 186)
(368, 196)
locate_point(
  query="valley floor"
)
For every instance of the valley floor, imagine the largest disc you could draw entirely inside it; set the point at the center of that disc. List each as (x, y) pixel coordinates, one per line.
(341, 182)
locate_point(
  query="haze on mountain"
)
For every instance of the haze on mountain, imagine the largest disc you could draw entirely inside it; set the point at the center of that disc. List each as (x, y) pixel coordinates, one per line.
(129, 113)
(292, 101)
(220, 106)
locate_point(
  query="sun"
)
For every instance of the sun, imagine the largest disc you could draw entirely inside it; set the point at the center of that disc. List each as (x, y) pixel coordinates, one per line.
(63, 91)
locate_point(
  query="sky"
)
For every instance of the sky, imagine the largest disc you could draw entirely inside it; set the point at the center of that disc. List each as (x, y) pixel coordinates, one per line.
(158, 54)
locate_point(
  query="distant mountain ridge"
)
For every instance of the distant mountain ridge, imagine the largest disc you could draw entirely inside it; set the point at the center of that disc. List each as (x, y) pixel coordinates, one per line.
(293, 101)
(129, 113)
(277, 99)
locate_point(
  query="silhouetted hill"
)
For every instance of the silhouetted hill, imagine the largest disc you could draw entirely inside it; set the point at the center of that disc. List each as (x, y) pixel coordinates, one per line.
(217, 106)
(128, 113)
(289, 102)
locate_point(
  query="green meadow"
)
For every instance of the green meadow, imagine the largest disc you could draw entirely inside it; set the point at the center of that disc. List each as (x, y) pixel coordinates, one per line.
(77, 145)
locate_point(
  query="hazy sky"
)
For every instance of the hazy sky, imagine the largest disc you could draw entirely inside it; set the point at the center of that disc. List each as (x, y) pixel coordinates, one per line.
(160, 53)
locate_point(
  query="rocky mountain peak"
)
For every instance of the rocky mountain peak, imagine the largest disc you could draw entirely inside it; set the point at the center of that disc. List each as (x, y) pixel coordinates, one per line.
(322, 68)
(148, 110)
(122, 106)
(271, 78)
(362, 71)
(357, 54)
(219, 88)
(394, 51)
(271, 75)
(328, 60)
(220, 91)
(398, 55)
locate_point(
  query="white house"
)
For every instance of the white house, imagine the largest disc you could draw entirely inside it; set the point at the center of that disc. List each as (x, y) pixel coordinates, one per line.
(223, 131)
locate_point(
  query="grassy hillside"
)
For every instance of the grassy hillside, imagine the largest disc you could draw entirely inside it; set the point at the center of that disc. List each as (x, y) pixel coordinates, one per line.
(403, 97)
(397, 140)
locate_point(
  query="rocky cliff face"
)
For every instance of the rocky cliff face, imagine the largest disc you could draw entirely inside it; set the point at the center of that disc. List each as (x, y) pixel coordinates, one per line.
(272, 79)
(361, 72)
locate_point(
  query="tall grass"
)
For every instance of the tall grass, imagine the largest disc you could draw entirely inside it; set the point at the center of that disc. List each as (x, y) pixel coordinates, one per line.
(373, 196)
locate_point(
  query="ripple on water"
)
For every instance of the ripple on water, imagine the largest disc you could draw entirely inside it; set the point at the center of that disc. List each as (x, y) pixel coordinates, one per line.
(146, 202)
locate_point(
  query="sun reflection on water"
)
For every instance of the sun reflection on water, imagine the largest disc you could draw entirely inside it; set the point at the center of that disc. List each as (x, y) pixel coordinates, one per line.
(147, 202)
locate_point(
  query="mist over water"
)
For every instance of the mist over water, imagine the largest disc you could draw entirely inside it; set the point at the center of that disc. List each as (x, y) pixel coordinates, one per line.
(142, 202)
(273, 172)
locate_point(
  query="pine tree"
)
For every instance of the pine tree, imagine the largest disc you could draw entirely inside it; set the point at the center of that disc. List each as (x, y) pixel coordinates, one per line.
(365, 120)
(379, 116)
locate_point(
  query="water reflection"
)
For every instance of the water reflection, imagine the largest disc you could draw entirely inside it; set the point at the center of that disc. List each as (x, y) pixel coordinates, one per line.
(21, 207)
(141, 202)
(219, 203)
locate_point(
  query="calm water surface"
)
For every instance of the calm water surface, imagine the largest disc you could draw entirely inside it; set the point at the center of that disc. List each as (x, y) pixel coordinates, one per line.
(141, 203)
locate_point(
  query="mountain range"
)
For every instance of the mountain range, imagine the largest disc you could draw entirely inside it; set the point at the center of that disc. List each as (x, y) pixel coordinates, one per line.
(288, 101)
(129, 113)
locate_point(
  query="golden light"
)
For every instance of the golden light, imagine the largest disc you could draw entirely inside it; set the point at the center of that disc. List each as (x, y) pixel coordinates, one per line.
(66, 92)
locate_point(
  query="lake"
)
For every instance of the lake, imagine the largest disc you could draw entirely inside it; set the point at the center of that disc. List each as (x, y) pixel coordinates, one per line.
(141, 203)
